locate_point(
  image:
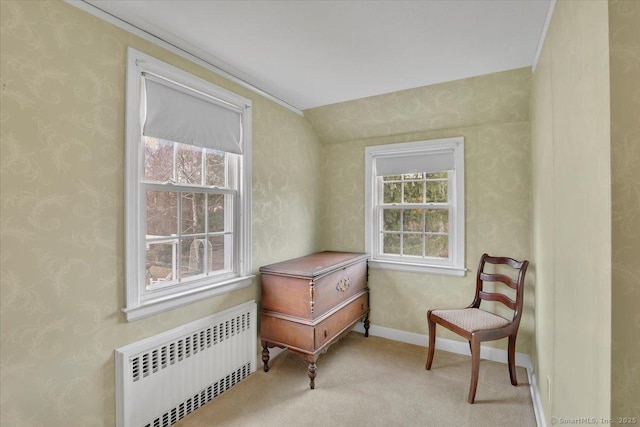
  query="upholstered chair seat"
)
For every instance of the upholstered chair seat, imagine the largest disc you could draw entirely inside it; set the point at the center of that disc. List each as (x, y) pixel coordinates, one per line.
(472, 319)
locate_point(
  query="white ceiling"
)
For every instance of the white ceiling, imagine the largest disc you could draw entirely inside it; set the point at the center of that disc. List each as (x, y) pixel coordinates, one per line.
(314, 53)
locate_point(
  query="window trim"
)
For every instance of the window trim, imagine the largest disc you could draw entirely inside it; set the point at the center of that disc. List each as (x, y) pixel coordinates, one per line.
(456, 266)
(138, 302)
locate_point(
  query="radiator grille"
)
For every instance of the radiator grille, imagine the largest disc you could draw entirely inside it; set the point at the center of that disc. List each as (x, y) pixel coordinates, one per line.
(162, 379)
(163, 356)
(205, 395)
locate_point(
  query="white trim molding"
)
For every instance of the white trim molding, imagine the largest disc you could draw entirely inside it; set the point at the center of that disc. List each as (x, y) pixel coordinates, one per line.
(536, 399)
(399, 266)
(176, 300)
(543, 35)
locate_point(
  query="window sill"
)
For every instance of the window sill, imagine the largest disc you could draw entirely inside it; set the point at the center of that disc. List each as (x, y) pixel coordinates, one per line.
(417, 268)
(150, 307)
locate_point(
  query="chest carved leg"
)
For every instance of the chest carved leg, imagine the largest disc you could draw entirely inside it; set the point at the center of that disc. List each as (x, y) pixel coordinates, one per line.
(312, 375)
(265, 356)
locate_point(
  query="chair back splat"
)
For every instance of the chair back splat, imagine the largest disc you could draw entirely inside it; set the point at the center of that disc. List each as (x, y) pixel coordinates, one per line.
(476, 324)
(517, 283)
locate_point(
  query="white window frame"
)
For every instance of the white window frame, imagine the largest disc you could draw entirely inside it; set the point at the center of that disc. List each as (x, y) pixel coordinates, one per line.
(140, 301)
(455, 264)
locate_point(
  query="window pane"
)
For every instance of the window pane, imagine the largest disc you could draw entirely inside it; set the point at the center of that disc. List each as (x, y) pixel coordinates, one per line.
(158, 159)
(392, 192)
(412, 220)
(216, 213)
(437, 246)
(162, 213)
(215, 171)
(391, 244)
(391, 220)
(392, 178)
(437, 221)
(407, 176)
(192, 256)
(160, 263)
(189, 164)
(216, 260)
(437, 175)
(413, 192)
(193, 213)
(412, 244)
(437, 192)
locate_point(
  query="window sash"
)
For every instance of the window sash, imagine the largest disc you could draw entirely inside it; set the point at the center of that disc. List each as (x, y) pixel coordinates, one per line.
(229, 224)
(230, 164)
(229, 234)
(382, 183)
(424, 259)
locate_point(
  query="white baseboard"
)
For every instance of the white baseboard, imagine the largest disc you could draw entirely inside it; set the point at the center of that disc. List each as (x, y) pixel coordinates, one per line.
(458, 347)
(537, 401)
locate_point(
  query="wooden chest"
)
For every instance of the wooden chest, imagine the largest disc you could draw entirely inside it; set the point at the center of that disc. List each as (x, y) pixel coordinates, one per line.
(308, 303)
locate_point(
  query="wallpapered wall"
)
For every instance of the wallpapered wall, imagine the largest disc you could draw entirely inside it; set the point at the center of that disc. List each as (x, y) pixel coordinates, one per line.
(572, 213)
(492, 98)
(62, 117)
(624, 68)
(491, 112)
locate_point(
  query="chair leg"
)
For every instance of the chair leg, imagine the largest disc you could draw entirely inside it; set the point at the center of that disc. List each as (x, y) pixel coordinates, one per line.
(511, 352)
(475, 368)
(432, 342)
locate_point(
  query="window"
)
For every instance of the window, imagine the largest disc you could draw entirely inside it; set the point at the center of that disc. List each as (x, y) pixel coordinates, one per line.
(414, 206)
(188, 205)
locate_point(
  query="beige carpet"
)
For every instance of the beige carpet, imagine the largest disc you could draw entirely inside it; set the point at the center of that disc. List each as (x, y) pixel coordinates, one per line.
(371, 382)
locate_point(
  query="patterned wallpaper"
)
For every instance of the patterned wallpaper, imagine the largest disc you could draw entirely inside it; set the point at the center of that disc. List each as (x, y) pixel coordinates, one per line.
(571, 216)
(493, 98)
(497, 181)
(62, 213)
(624, 54)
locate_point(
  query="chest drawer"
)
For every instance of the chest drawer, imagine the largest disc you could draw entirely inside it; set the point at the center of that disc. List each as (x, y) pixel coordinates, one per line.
(311, 336)
(341, 320)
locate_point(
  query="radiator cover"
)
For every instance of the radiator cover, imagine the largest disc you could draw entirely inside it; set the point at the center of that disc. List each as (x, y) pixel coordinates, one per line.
(161, 379)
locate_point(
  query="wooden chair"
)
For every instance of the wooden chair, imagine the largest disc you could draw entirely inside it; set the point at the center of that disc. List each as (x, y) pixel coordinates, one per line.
(478, 325)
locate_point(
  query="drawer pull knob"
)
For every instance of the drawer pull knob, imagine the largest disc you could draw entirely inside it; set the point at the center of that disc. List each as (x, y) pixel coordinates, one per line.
(362, 306)
(343, 284)
(326, 333)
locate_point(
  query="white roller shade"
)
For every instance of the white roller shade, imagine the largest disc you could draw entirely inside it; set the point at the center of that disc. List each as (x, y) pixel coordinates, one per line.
(178, 114)
(437, 161)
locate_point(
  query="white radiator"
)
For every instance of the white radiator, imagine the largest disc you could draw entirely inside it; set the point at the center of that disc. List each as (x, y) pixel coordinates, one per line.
(161, 379)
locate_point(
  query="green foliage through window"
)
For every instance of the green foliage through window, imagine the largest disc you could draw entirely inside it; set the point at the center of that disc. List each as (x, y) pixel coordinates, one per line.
(421, 231)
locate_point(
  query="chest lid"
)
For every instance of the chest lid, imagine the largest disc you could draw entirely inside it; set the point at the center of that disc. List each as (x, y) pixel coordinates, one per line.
(314, 265)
